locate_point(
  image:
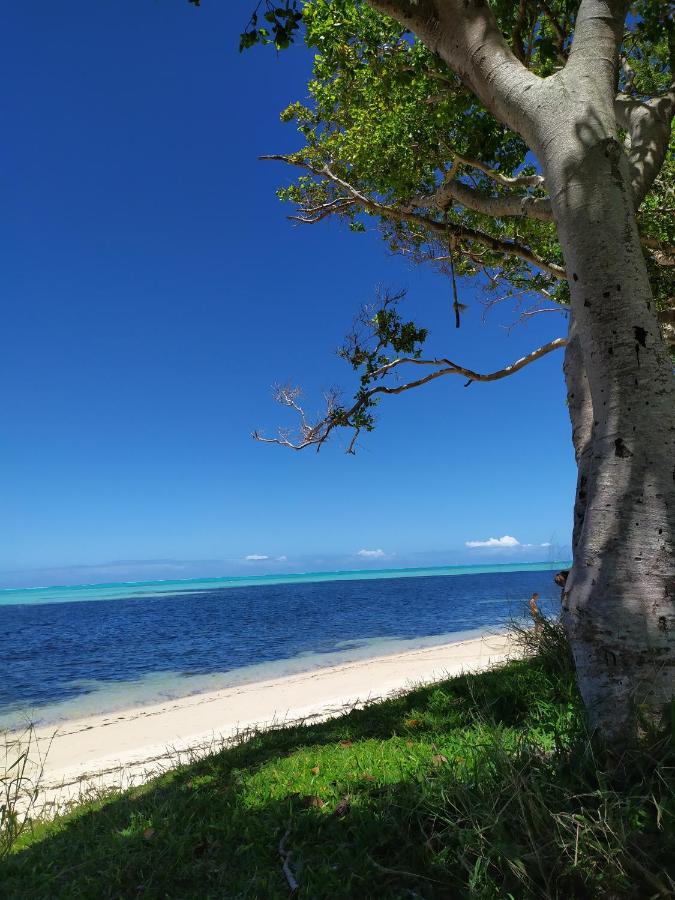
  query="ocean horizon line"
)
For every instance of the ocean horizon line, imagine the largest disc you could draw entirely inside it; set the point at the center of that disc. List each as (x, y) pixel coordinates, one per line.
(157, 587)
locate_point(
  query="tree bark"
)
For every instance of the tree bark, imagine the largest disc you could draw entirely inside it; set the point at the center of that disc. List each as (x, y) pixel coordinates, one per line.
(580, 406)
(619, 600)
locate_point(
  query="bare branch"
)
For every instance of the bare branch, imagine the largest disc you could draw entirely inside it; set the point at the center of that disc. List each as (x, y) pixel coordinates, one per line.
(316, 435)
(510, 205)
(504, 180)
(528, 313)
(288, 396)
(524, 308)
(313, 214)
(352, 443)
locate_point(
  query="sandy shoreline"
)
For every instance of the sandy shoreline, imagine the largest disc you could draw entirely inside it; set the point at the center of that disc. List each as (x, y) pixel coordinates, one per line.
(128, 747)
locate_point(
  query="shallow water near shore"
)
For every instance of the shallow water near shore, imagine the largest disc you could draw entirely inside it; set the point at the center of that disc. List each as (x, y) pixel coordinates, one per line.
(109, 697)
(76, 657)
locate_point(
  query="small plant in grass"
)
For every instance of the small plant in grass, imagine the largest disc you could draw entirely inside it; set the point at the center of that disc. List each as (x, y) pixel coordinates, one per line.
(547, 641)
(21, 772)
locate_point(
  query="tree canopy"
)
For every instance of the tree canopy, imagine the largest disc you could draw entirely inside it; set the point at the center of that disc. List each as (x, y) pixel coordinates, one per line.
(395, 140)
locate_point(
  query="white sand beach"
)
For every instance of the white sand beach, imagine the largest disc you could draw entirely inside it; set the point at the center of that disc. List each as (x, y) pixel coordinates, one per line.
(130, 746)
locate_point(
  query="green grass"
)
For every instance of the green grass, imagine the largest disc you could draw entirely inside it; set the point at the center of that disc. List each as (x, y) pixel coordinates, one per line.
(484, 786)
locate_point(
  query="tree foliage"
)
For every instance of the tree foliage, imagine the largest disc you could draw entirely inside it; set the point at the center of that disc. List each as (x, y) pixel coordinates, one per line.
(394, 140)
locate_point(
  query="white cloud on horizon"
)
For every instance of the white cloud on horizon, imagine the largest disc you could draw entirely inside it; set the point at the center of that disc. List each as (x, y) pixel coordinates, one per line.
(372, 554)
(506, 541)
(264, 557)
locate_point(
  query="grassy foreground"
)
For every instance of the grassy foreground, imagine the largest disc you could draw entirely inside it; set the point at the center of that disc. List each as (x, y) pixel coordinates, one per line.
(483, 786)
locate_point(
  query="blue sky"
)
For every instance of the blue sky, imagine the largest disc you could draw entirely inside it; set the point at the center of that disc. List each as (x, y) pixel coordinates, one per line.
(152, 292)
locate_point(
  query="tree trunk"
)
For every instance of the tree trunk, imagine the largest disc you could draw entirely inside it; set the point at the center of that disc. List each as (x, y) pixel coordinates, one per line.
(619, 600)
(580, 406)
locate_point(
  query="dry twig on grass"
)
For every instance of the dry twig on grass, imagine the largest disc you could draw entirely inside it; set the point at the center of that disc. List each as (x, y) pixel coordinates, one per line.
(286, 858)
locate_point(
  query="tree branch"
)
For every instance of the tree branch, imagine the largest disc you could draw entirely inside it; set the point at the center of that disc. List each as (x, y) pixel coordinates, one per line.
(663, 247)
(316, 435)
(629, 74)
(442, 229)
(465, 34)
(555, 25)
(598, 33)
(648, 123)
(523, 307)
(517, 34)
(409, 12)
(504, 180)
(513, 205)
(313, 214)
(666, 319)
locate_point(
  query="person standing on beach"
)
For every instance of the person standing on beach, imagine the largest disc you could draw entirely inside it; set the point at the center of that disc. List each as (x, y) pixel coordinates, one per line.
(536, 613)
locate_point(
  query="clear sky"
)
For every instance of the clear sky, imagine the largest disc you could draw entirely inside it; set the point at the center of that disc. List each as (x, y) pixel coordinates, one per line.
(152, 292)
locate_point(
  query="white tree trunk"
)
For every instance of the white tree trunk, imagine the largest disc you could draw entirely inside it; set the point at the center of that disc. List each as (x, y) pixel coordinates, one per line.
(619, 601)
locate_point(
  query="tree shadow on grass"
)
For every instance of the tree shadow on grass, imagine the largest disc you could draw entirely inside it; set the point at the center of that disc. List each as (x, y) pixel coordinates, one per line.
(183, 841)
(210, 828)
(429, 795)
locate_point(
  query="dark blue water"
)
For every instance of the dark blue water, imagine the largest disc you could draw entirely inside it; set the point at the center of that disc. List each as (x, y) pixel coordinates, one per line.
(48, 650)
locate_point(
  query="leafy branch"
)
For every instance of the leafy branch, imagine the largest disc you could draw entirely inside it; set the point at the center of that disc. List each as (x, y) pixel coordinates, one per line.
(440, 227)
(281, 23)
(378, 330)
